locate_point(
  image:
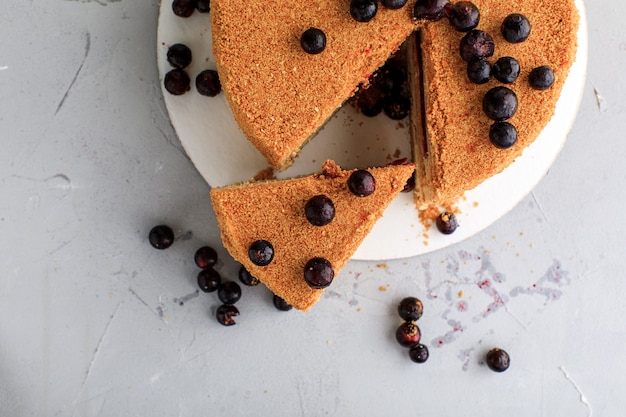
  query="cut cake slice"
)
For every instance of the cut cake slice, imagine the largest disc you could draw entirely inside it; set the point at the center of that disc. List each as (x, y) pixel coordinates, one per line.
(451, 146)
(274, 211)
(280, 95)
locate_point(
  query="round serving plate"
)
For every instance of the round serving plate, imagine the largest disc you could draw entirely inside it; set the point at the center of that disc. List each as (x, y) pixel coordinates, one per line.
(223, 156)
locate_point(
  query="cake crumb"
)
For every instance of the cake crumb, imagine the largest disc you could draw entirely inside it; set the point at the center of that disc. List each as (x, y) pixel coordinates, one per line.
(358, 309)
(382, 288)
(329, 342)
(475, 204)
(461, 293)
(382, 266)
(264, 175)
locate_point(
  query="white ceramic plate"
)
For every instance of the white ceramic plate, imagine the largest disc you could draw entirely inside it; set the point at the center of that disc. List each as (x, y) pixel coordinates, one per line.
(222, 155)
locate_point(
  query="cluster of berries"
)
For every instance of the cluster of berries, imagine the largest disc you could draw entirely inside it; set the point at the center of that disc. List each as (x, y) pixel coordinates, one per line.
(177, 81)
(408, 334)
(210, 280)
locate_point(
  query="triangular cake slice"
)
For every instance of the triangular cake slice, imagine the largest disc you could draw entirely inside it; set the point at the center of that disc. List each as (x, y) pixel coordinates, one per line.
(280, 95)
(452, 150)
(274, 211)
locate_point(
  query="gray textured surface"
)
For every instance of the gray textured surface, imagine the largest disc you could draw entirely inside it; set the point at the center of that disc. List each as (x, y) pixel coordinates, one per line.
(94, 322)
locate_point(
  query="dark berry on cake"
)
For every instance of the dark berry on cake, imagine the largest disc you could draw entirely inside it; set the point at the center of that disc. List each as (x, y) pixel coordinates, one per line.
(319, 210)
(463, 15)
(541, 78)
(208, 83)
(161, 237)
(446, 223)
(430, 9)
(225, 314)
(479, 71)
(361, 183)
(281, 304)
(515, 28)
(393, 4)
(179, 55)
(476, 44)
(408, 334)
(177, 82)
(318, 273)
(500, 103)
(261, 252)
(498, 360)
(246, 278)
(209, 280)
(363, 10)
(506, 69)
(502, 135)
(419, 353)
(313, 41)
(229, 292)
(205, 257)
(183, 8)
(410, 308)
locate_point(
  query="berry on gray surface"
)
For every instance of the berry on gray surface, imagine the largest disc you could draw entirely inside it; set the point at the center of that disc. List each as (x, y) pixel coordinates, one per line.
(225, 314)
(408, 334)
(205, 257)
(498, 360)
(419, 353)
(246, 278)
(161, 237)
(229, 292)
(410, 308)
(209, 280)
(281, 304)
